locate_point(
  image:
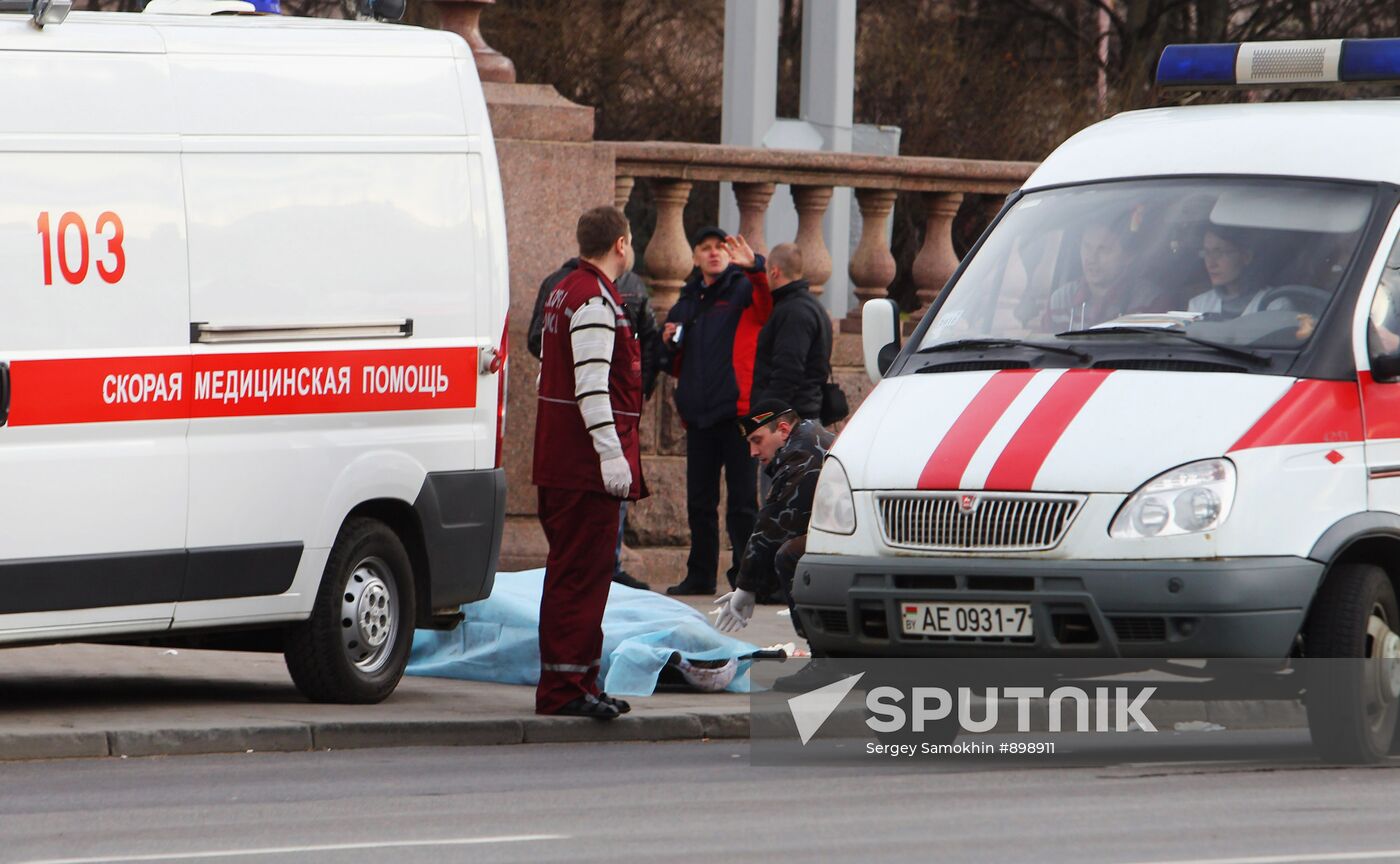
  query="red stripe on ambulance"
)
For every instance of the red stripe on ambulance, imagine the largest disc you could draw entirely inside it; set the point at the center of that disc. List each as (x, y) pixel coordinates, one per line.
(1018, 464)
(1310, 412)
(950, 459)
(113, 389)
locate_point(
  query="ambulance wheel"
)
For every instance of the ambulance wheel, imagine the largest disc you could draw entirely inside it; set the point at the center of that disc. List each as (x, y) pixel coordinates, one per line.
(1354, 679)
(354, 647)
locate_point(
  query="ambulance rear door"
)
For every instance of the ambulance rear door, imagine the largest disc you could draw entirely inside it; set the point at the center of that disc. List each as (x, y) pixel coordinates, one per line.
(94, 340)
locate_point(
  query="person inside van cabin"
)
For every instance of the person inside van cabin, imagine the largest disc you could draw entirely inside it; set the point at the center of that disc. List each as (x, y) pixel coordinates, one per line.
(1103, 291)
(1235, 287)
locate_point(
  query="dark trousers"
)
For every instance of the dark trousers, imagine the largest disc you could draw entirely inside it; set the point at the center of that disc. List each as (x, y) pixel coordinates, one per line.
(580, 528)
(707, 451)
(785, 566)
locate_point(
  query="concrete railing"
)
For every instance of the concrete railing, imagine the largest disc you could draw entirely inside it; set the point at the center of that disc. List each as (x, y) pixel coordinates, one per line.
(673, 168)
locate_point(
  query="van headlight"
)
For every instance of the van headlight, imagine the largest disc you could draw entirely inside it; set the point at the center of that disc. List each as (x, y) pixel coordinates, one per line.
(833, 507)
(1185, 500)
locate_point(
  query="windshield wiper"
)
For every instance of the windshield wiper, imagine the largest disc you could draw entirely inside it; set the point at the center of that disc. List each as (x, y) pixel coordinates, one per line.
(1231, 350)
(973, 344)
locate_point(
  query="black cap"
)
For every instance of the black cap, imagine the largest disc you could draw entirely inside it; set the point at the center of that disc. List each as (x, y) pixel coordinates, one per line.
(706, 233)
(763, 413)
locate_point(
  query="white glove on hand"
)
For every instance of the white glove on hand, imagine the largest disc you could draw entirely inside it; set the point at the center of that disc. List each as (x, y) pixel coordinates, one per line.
(736, 608)
(617, 476)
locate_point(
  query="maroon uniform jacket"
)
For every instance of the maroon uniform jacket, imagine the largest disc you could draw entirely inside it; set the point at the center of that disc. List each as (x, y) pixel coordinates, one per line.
(564, 454)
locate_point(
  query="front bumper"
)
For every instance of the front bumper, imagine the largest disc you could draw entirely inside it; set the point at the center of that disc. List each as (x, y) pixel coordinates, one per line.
(1219, 608)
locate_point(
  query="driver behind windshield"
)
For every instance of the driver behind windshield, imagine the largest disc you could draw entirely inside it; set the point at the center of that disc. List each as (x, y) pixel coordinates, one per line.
(1235, 288)
(1102, 293)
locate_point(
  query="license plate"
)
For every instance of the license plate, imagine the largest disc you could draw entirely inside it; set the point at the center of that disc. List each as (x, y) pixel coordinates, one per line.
(967, 619)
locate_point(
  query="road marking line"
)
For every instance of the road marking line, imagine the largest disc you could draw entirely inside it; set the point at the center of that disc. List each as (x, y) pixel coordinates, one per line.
(283, 850)
(1289, 859)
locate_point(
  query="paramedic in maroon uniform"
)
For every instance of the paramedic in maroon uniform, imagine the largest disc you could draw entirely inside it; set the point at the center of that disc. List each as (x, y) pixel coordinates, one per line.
(587, 461)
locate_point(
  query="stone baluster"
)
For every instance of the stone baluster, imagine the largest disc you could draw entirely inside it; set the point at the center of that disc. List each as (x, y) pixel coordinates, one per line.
(622, 191)
(936, 260)
(463, 17)
(668, 258)
(753, 201)
(811, 203)
(872, 264)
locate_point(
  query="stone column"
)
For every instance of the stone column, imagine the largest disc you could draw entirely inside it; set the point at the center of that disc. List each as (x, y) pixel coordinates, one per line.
(551, 171)
(753, 201)
(811, 202)
(936, 260)
(622, 191)
(668, 258)
(463, 17)
(872, 265)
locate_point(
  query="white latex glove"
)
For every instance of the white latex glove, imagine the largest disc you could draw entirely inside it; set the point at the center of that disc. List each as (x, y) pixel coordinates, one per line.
(735, 610)
(617, 476)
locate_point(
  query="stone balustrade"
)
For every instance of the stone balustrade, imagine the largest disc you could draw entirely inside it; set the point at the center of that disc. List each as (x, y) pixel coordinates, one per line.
(673, 168)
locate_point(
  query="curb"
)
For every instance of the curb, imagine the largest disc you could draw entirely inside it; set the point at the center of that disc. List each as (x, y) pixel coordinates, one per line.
(298, 737)
(293, 737)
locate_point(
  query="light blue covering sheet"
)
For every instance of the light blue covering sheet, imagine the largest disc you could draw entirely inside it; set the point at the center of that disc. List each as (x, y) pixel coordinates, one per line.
(499, 640)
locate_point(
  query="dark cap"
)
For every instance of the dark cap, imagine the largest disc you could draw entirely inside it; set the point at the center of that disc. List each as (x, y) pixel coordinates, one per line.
(762, 414)
(706, 233)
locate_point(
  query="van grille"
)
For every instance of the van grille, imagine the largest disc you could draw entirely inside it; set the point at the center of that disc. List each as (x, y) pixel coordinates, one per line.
(991, 522)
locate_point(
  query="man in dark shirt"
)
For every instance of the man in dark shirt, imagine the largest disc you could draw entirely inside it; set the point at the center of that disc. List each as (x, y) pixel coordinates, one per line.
(792, 451)
(793, 357)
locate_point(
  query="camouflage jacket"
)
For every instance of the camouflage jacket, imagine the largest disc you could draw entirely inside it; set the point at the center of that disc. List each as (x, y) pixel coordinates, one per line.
(788, 508)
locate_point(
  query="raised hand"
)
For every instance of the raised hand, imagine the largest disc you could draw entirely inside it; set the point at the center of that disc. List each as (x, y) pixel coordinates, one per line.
(740, 252)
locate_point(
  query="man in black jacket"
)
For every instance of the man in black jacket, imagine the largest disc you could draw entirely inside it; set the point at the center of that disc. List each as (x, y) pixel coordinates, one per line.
(793, 358)
(637, 304)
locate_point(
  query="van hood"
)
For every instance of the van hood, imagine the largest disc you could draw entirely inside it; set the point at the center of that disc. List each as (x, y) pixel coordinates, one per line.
(1089, 430)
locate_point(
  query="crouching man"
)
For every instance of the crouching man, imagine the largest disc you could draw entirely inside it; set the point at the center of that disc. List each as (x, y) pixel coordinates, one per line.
(792, 451)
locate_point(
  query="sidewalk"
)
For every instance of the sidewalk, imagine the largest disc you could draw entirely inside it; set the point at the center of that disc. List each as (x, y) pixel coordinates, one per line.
(105, 700)
(102, 700)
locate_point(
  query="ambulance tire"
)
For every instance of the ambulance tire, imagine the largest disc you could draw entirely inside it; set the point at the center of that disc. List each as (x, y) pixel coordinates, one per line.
(1352, 706)
(354, 647)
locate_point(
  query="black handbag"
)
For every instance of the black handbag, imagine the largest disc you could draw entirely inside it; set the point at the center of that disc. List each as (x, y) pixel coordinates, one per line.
(834, 408)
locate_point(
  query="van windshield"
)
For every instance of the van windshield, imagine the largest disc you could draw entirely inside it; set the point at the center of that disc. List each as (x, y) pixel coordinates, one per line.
(1238, 267)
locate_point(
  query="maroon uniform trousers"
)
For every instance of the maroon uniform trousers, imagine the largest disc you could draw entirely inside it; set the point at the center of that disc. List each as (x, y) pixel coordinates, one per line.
(577, 577)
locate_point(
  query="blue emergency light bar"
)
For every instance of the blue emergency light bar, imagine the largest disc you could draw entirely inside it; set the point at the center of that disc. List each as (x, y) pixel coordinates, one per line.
(1252, 64)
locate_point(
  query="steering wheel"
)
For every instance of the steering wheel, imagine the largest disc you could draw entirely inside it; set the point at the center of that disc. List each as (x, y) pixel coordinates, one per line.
(1305, 298)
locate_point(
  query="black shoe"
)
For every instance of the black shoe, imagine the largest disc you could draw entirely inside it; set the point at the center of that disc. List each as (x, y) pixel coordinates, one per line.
(813, 676)
(621, 577)
(589, 705)
(771, 599)
(687, 588)
(622, 705)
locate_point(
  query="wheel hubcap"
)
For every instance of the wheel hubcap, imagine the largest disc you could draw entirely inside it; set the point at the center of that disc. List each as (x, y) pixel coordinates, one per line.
(1382, 647)
(369, 615)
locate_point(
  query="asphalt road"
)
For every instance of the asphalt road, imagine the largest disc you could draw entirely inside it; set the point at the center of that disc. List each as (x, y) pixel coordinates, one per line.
(693, 802)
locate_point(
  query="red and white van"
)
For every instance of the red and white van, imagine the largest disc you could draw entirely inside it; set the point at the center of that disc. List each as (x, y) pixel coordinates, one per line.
(254, 273)
(1156, 412)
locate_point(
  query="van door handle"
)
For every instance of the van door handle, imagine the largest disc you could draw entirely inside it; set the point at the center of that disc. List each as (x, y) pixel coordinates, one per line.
(4, 393)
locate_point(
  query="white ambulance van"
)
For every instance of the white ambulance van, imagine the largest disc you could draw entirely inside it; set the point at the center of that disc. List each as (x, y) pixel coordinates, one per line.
(1156, 411)
(251, 363)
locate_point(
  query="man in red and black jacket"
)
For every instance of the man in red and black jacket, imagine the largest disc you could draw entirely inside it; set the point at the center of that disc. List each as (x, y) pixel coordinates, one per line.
(711, 334)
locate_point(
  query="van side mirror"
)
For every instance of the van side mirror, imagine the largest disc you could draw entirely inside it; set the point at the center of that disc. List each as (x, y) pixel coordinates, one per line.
(1386, 367)
(879, 322)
